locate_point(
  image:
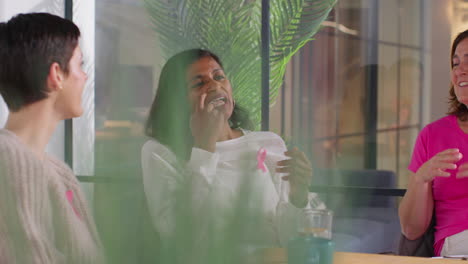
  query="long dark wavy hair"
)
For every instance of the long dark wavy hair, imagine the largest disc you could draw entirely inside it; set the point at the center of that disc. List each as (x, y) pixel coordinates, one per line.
(169, 117)
(456, 107)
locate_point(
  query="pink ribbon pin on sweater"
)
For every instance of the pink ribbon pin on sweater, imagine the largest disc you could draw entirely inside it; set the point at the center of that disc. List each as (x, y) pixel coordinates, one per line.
(261, 155)
(69, 195)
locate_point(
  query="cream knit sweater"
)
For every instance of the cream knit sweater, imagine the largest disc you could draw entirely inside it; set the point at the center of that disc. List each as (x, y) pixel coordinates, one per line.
(43, 213)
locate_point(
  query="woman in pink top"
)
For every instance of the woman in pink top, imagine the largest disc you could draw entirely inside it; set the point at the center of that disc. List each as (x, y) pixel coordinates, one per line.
(439, 182)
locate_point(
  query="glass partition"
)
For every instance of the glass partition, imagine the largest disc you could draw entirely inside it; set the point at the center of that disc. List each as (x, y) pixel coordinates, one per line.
(358, 88)
(353, 99)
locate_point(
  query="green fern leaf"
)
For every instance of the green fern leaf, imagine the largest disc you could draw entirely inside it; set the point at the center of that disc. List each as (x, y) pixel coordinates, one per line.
(231, 29)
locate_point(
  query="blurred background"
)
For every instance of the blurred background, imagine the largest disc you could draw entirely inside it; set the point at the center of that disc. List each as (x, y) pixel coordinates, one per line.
(354, 99)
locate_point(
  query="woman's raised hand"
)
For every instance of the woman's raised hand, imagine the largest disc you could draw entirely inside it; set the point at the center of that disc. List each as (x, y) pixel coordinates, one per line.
(436, 166)
(206, 123)
(299, 172)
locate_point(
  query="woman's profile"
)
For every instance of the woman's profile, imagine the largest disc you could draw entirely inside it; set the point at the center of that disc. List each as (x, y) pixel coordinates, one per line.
(44, 217)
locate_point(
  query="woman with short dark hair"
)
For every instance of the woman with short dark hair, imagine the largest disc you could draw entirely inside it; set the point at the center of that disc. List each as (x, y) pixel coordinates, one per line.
(44, 217)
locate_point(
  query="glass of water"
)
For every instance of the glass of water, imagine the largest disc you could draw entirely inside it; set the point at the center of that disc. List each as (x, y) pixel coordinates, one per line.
(316, 223)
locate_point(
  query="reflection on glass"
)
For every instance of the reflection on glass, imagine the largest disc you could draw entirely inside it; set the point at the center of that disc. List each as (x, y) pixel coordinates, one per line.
(350, 153)
(351, 86)
(407, 139)
(352, 14)
(410, 87)
(127, 62)
(388, 27)
(388, 87)
(387, 150)
(410, 21)
(325, 152)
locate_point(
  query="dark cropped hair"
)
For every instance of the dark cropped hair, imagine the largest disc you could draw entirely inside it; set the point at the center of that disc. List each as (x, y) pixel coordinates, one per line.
(29, 44)
(169, 116)
(456, 107)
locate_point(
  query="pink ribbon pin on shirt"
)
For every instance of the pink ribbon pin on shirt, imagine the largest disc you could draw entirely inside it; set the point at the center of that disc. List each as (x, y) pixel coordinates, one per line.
(69, 195)
(261, 155)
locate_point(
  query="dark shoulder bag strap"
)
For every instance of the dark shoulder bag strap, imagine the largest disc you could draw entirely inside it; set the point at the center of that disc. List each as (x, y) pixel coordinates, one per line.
(421, 247)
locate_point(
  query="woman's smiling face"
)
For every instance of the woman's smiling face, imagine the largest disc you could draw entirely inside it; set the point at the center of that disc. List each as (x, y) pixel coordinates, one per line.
(206, 76)
(459, 74)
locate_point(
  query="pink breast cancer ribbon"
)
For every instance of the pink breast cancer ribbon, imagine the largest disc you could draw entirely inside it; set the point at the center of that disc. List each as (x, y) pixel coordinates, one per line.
(261, 155)
(69, 195)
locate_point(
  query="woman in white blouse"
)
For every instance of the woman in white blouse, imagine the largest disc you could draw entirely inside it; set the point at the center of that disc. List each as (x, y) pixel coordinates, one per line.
(195, 121)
